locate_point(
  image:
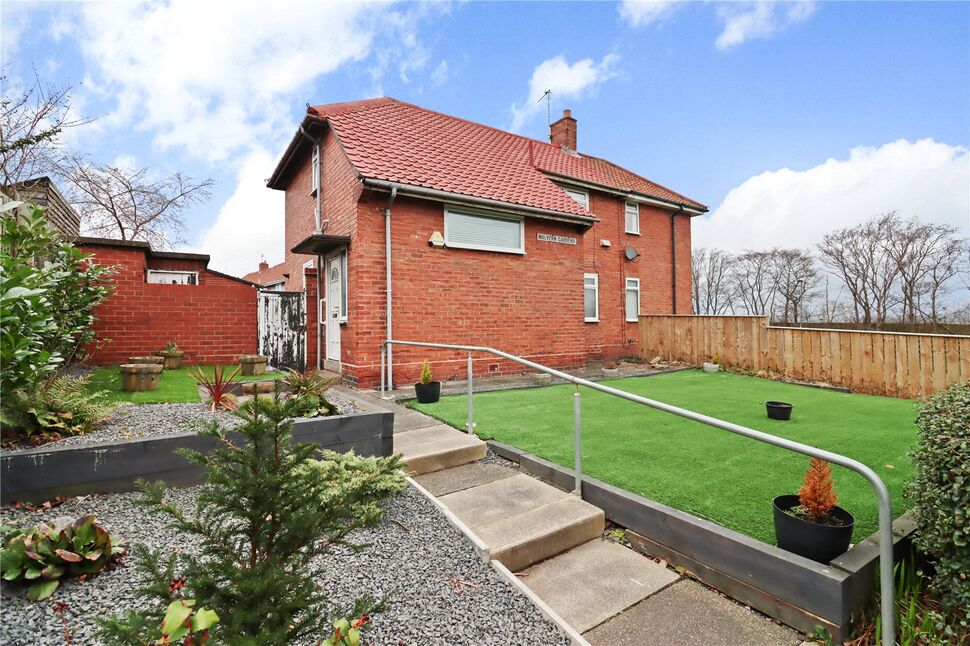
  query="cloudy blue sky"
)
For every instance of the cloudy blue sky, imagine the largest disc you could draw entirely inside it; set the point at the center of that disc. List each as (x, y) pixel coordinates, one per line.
(788, 119)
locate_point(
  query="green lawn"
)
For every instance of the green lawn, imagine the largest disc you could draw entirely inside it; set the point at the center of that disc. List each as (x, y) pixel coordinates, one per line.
(696, 468)
(176, 386)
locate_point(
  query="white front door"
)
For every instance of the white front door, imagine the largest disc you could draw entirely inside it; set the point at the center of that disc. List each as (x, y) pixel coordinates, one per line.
(333, 302)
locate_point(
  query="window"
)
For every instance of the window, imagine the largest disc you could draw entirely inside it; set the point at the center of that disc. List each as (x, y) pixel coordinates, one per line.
(632, 299)
(591, 297)
(275, 287)
(581, 197)
(343, 286)
(633, 218)
(167, 277)
(468, 230)
(316, 170)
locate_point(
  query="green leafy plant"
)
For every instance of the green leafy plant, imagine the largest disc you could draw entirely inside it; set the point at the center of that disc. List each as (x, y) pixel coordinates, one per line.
(426, 376)
(307, 382)
(58, 407)
(217, 387)
(313, 406)
(941, 491)
(268, 509)
(345, 632)
(45, 554)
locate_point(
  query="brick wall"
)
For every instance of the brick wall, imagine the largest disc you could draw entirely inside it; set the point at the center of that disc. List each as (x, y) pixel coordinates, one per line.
(213, 322)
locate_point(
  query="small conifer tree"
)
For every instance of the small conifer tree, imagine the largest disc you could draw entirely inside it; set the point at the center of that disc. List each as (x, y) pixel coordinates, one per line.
(426, 376)
(267, 510)
(817, 495)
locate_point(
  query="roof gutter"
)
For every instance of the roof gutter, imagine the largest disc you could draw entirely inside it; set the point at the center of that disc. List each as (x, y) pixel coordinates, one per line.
(447, 196)
(629, 195)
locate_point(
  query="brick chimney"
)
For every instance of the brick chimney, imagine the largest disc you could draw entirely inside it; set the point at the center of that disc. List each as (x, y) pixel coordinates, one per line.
(263, 265)
(562, 133)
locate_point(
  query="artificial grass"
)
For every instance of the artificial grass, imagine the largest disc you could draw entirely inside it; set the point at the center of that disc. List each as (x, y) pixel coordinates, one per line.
(176, 386)
(697, 468)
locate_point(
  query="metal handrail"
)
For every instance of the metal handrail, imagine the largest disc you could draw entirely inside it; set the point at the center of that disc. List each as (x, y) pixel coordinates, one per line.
(886, 579)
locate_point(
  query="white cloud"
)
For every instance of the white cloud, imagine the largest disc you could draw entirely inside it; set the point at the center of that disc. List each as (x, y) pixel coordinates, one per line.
(566, 82)
(440, 74)
(250, 224)
(746, 20)
(790, 208)
(640, 13)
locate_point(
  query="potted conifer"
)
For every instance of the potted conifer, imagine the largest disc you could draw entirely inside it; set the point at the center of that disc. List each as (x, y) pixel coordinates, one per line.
(173, 356)
(809, 523)
(427, 390)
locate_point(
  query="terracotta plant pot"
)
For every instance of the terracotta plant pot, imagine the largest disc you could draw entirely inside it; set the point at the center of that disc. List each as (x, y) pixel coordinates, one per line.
(817, 541)
(140, 377)
(253, 364)
(159, 359)
(173, 360)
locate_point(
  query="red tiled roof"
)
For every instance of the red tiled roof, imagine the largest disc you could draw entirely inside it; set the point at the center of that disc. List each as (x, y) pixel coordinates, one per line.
(267, 276)
(394, 141)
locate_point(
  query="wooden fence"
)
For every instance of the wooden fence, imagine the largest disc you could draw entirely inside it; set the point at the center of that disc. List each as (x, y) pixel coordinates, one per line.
(883, 363)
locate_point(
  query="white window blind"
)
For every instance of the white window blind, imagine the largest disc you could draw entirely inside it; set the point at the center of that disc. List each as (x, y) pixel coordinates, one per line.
(632, 218)
(581, 197)
(591, 298)
(465, 230)
(632, 299)
(166, 277)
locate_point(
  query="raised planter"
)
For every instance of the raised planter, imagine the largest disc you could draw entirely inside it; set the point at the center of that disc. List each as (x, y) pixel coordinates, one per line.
(793, 589)
(160, 360)
(173, 358)
(40, 474)
(253, 364)
(139, 377)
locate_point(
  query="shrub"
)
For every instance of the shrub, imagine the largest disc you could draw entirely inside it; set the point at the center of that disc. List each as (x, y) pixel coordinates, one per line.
(817, 495)
(426, 376)
(217, 387)
(307, 382)
(45, 554)
(941, 491)
(267, 510)
(61, 406)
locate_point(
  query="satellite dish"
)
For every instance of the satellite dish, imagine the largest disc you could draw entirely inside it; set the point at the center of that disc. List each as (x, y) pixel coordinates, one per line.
(631, 253)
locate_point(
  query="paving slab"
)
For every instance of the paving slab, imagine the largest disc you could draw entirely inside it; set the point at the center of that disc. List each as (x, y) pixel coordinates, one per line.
(407, 419)
(434, 433)
(689, 614)
(593, 582)
(441, 483)
(450, 450)
(494, 501)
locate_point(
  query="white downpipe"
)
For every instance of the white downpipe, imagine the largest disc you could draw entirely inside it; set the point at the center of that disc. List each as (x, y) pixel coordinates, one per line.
(388, 291)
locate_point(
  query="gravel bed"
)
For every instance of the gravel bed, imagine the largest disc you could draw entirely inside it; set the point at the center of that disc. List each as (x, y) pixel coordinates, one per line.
(491, 457)
(442, 592)
(142, 421)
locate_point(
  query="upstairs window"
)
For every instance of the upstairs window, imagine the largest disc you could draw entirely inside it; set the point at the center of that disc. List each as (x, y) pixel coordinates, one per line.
(633, 218)
(470, 230)
(315, 171)
(581, 197)
(166, 277)
(591, 298)
(632, 300)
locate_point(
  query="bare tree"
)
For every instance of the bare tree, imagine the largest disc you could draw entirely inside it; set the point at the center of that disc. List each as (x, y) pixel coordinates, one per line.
(863, 257)
(795, 277)
(710, 279)
(130, 204)
(30, 120)
(950, 257)
(752, 281)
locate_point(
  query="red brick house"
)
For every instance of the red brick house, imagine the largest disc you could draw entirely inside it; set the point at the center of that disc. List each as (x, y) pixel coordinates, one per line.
(471, 235)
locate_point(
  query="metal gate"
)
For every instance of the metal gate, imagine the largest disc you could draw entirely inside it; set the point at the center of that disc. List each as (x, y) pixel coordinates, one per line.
(282, 328)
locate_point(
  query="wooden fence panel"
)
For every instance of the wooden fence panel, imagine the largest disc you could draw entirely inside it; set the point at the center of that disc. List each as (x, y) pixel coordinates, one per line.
(886, 363)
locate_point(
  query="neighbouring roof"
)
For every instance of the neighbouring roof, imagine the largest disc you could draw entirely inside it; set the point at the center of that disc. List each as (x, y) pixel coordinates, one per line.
(269, 276)
(390, 140)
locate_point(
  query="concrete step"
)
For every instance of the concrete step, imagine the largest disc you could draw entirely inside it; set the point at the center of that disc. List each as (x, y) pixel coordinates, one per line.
(597, 580)
(523, 520)
(441, 483)
(437, 447)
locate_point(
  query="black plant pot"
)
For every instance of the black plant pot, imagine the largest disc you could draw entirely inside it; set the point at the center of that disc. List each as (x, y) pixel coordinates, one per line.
(815, 541)
(779, 410)
(428, 393)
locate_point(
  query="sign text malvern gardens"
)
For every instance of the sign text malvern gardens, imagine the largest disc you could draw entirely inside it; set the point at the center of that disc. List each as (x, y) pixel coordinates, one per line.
(548, 237)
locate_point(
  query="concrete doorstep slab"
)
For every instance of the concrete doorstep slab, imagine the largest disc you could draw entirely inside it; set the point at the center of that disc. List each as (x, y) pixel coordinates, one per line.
(597, 580)
(436, 448)
(689, 614)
